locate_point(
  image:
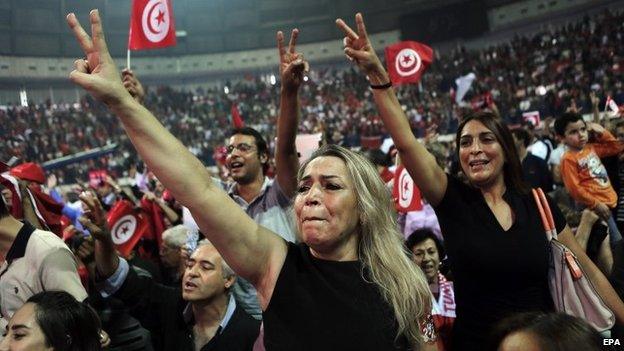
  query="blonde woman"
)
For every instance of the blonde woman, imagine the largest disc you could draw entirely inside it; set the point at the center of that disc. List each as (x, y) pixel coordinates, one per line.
(348, 286)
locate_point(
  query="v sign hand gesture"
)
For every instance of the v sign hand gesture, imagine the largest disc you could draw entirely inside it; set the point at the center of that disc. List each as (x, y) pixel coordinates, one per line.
(292, 64)
(97, 72)
(358, 48)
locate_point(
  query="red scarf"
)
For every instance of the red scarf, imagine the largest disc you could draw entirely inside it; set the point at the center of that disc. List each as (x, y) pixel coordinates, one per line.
(445, 306)
(443, 311)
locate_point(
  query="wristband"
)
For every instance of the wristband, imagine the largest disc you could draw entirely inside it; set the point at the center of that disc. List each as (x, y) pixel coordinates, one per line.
(381, 86)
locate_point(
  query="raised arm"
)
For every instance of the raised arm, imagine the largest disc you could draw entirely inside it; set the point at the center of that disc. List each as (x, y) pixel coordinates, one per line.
(420, 164)
(171, 215)
(595, 102)
(292, 68)
(94, 220)
(254, 252)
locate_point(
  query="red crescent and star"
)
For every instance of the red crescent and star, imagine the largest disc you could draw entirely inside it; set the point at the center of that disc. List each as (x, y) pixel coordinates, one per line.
(161, 16)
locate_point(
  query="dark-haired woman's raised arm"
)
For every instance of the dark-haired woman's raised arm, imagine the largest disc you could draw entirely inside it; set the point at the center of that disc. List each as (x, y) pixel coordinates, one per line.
(421, 165)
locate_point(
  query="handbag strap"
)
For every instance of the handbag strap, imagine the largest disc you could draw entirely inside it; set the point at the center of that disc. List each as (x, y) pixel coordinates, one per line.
(545, 213)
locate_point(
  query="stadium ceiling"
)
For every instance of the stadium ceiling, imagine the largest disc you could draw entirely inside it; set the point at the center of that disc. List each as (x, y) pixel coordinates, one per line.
(37, 27)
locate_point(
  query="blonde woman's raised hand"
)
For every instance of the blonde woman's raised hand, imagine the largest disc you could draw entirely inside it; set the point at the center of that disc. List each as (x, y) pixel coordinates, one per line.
(96, 72)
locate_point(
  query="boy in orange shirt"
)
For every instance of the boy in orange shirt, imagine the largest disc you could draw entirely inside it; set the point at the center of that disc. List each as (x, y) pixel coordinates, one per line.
(583, 173)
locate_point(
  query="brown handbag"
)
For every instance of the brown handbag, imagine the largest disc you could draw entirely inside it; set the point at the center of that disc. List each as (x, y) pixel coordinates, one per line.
(572, 292)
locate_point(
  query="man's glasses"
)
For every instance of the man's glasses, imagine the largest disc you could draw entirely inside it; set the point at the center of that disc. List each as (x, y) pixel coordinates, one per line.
(242, 147)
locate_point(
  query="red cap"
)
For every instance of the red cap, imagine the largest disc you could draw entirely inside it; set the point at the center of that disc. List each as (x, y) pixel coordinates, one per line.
(29, 171)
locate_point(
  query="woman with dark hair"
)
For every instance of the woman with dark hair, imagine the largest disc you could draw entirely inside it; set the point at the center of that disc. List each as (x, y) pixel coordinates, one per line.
(495, 241)
(545, 331)
(427, 252)
(53, 321)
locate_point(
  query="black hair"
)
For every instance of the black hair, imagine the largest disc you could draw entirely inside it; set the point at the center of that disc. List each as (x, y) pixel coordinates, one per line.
(553, 331)
(562, 122)
(261, 144)
(68, 325)
(4, 209)
(512, 169)
(422, 234)
(523, 135)
(378, 157)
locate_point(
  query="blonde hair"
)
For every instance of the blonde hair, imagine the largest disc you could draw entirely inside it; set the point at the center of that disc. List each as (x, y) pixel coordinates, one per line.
(380, 245)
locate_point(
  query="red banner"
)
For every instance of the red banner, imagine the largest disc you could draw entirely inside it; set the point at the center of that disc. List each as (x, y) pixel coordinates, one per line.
(15, 201)
(151, 25)
(29, 171)
(155, 219)
(126, 226)
(237, 120)
(404, 192)
(47, 209)
(407, 60)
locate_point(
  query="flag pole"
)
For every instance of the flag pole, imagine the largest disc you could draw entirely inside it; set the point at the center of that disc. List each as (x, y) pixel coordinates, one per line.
(128, 60)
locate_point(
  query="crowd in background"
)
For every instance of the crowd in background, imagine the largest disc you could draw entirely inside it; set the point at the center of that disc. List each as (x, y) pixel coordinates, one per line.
(572, 69)
(543, 72)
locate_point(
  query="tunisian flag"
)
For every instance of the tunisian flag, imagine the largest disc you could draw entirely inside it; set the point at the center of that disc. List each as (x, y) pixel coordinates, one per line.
(127, 227)
(404, 192)
(407, 60)
(151, 25)
(47, 210)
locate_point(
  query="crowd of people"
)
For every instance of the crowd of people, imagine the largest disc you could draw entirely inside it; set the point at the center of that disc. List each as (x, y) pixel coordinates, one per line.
(566, 62)
(277, 254)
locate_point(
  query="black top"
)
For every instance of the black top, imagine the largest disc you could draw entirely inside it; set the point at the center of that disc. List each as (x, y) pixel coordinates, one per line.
(536, 173)
(160, 310)
(327, 305)
(496, 272)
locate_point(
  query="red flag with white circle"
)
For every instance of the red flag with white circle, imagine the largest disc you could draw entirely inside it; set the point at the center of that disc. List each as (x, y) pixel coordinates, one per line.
(407, 61)
(151, 25)
(405, 193)
(126, 226)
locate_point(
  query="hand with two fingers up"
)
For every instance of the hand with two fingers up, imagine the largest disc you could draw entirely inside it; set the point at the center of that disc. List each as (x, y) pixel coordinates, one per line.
(358, 48)
(94, 218)
(106, 259)
(292, 65)
(97, 72)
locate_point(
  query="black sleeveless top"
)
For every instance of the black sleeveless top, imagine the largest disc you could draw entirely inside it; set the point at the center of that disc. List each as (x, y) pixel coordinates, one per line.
(496, 273)
(327, 305)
